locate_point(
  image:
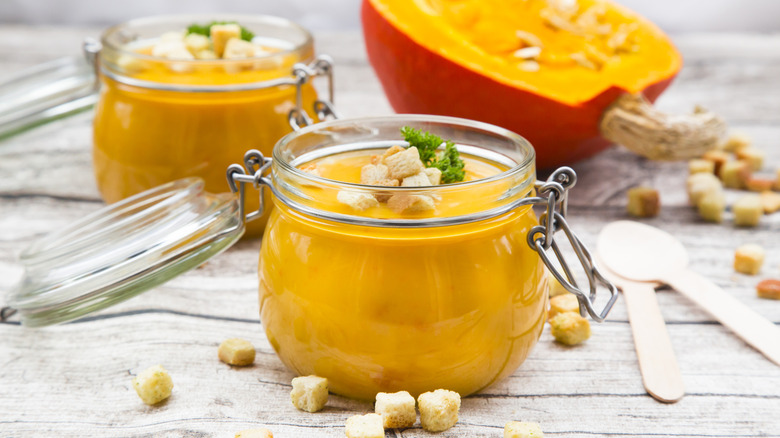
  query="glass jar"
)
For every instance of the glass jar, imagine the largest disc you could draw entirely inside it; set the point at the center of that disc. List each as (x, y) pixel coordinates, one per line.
(375, 301)
(455, 298)
(158, 120)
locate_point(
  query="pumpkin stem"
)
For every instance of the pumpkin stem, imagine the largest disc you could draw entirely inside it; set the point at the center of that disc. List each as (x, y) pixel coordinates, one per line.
(633, 122)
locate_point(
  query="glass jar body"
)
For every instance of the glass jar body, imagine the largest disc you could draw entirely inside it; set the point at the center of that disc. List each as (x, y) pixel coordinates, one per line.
(456, 307)
(160, 119)
(145, 138)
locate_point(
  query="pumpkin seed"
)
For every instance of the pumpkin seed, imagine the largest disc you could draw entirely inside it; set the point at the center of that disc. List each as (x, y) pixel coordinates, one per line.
(530, 66)
(528, 52)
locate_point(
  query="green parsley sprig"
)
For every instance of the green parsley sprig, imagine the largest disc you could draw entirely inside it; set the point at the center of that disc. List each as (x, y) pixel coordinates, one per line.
(205, 29)
(448, 161)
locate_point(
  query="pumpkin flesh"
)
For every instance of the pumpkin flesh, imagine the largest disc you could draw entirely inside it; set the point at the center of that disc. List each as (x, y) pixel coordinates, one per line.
(460, 58)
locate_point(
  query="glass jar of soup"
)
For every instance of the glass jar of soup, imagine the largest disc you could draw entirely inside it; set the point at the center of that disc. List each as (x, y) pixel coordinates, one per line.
(159, 119)
(372, 298)
(376, 300)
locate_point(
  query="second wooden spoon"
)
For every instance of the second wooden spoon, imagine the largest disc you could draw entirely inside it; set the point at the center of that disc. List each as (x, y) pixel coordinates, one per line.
(644, 253)
(661, 375)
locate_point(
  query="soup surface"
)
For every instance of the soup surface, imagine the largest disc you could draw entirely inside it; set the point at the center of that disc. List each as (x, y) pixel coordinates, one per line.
(347, 167)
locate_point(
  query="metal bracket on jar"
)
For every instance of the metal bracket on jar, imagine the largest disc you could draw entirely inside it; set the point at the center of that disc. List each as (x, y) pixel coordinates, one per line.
(253, 171)
(6, 313)
(322, 66)
(553, 193)
(92, 48)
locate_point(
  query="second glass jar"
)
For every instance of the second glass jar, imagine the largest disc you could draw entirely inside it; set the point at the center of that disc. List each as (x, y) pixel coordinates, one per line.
(159, 119)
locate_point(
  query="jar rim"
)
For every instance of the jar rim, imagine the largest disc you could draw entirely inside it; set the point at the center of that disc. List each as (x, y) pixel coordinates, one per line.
(308, 39)
(511, 187)
(521, 167)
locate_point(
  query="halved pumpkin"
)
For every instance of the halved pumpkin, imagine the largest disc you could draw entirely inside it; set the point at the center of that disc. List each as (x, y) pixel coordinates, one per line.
(546, 69)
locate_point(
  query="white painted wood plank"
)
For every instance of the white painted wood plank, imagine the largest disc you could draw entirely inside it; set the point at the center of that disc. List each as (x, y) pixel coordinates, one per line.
(596, 380)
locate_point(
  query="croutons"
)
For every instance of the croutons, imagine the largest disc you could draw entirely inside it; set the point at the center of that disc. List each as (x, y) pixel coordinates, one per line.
(153, 385)
(309, 393)
(403, 164)
(749, 258)
(357, 200)
(570, 328)
(374, 174)
(759, 184)
(735, 174)
(718, 158)
(770, 201)
(130, 63)
(438, 409)
(206, 54)
(404, 203)
(434, 175)
(221, 34)
(753, 156)
(397, 409)
(365, 426)
(172, 49)
(172, 36)
(700, 184)
(196, 42)
(563, 303)
(237, 352)
(236, 48)
(377, 175)
(391, 151)
(517, 429)
(554, 287)
(384, 196)
(312, 169)
(419, 180)
(769, 289)
(171, 45)
(701, 166)
(255, 433)
(643, 202)
(748, 211)
(712, 206)
(736, 141)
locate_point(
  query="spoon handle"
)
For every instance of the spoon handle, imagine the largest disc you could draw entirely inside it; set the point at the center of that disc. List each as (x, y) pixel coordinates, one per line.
(657, 362)
(753, 328)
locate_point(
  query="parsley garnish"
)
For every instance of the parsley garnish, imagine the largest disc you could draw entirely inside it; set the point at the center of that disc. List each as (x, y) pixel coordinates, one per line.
(450, 164)
(448, 161)
(205, 29)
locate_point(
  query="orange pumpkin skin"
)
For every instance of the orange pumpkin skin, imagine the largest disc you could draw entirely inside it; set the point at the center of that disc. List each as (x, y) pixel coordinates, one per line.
(417, 80)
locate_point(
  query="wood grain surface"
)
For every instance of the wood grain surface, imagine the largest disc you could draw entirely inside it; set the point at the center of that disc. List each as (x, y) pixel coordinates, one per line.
(75, 379)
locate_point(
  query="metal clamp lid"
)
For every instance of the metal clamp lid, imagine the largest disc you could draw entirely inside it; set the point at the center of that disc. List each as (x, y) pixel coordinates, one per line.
(541, 238)
(322, 66)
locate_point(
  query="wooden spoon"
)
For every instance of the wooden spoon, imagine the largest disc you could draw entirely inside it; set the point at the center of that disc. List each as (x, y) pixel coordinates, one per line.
(657, 362)
(644, 253)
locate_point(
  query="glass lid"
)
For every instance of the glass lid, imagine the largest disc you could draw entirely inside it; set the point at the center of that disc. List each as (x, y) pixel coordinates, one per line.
(45, 92)
(123, 250)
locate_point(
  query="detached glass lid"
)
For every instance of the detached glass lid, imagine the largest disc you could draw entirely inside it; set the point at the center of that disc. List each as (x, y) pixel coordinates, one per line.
(45, 92)
(123, 250)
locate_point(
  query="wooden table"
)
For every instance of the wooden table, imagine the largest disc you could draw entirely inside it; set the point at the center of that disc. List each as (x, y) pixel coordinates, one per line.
(74, 379)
